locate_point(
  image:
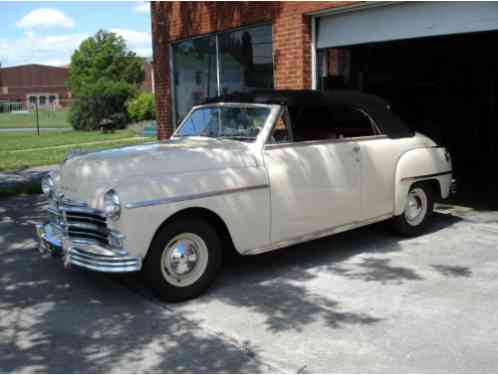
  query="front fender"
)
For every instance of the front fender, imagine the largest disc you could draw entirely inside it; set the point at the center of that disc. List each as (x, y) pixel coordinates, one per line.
(421, 164)
(239, 196)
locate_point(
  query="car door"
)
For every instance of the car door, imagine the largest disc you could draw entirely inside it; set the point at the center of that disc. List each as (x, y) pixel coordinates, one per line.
(315, 183)
(378, 154)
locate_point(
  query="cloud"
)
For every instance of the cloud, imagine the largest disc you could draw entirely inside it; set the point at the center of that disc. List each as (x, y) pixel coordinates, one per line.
(137, 41)
(45, 17)
(142, 7)
(55, 62)
(35, 49)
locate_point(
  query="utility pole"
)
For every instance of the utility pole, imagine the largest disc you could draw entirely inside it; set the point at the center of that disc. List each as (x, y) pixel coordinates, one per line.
(37, 119)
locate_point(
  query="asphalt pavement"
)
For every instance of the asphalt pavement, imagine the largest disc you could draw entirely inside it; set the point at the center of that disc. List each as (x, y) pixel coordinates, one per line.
(360, 301)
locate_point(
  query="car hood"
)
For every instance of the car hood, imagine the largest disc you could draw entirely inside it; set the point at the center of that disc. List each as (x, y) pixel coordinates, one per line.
(94, 173)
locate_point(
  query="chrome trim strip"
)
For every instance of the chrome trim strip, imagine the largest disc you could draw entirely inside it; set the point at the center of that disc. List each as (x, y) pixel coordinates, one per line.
(82, 210)
(181, 198)
(426, 176)
(271, 146)
(77, 218)
(73, 203)
(218, 63)
(87, 226)
(313, 53)
(317, 234)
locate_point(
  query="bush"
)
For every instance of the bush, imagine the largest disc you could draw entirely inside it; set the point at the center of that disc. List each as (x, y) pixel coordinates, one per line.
(142, 108)
(102, 106)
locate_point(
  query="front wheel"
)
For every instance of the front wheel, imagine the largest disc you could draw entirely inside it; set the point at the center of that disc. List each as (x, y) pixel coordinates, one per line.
(417, 213)
(184, 259)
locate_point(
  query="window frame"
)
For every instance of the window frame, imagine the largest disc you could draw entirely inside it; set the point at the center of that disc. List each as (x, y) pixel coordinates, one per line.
(284, 114)
(216, 35)
(269, 146)
(375, 128)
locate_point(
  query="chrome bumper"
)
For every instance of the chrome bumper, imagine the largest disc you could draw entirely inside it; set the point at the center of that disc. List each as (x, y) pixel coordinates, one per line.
(84, 254)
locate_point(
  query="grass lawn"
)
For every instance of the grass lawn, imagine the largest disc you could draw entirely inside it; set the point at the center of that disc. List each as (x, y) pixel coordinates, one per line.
(18, 150)
(47, 119)
(22, 141)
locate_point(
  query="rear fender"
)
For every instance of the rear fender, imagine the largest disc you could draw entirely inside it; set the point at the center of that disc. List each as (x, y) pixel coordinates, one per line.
(421, 164)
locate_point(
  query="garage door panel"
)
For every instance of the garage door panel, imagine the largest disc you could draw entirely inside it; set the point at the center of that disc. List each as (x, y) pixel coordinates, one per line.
(405, 21)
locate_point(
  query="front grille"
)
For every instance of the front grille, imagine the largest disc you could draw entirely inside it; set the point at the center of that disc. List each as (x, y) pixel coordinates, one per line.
(81, 222)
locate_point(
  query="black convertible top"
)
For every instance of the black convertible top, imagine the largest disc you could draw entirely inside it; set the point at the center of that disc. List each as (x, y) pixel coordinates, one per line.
(376, 107)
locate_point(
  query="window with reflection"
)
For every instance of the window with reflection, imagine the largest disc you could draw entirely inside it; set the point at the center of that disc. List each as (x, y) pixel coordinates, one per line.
(243, 60)
(194, 75)
(246, 59)
(234, 122)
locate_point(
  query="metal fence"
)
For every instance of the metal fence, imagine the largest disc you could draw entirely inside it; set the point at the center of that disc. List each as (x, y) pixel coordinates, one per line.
(22, 115)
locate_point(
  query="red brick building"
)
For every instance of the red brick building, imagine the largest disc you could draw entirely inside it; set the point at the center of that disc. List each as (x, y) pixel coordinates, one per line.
(148, 83)
(433, 61)
(32, 83)
(290, 38)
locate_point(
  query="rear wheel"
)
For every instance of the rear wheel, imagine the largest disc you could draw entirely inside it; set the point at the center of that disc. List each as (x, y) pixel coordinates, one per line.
(184, 259)
(418, 211)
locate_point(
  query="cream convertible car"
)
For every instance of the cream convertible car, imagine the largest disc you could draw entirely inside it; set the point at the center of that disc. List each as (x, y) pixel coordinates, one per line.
(255, 172)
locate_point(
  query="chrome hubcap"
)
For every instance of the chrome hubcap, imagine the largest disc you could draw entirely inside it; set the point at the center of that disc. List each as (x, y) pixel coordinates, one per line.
(416, 206)
(184, 259)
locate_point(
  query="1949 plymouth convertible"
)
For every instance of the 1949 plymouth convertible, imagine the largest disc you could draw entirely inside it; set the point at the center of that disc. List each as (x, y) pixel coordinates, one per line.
(255, 172)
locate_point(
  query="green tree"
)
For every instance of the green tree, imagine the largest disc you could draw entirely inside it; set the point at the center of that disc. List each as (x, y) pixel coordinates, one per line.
(102, 105)
(142, 108)
(103, 76)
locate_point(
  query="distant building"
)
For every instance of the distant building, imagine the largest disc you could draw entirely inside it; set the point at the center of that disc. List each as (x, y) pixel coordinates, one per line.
(148, 83)
(34, 83)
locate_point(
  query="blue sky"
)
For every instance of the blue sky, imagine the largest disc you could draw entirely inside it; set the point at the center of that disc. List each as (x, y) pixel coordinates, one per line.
(49, 32)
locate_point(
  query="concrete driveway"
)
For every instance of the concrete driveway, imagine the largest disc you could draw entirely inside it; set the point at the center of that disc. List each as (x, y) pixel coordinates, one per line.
(360, 301)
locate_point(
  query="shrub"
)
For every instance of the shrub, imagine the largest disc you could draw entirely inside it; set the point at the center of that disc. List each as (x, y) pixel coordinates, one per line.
(102, 106)
(142, 108)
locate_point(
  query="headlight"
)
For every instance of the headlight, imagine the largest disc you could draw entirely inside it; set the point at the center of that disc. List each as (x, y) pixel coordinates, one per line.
(112, 205)
(47, 185)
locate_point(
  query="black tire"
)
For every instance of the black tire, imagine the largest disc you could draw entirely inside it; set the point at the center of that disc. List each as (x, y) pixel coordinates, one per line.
(403, 226)
(153, 266)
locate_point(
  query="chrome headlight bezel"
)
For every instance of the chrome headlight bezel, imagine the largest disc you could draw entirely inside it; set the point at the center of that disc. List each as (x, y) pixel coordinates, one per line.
(112, 205)
(47, 185)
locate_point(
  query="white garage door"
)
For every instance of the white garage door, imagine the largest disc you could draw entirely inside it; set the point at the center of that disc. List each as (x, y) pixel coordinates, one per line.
(405, 21)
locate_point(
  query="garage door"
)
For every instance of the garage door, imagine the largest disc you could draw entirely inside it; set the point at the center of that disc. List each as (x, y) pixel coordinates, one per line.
(405, 21)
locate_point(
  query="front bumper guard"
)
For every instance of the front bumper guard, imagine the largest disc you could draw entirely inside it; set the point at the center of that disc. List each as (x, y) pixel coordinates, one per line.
(84, 254)
(453, 187)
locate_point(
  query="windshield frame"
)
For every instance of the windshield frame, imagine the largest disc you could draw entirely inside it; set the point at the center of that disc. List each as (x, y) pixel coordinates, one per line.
(268, 122)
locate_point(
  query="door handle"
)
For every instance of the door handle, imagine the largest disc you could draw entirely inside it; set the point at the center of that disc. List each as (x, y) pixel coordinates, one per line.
(356, 149)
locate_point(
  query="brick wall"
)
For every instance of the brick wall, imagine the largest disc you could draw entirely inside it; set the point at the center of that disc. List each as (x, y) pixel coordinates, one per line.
(146, 85)
(179, 20)
(31, 79)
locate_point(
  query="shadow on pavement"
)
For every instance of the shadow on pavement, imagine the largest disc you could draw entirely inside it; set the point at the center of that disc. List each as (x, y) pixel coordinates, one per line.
(57, 321)
(272, 283)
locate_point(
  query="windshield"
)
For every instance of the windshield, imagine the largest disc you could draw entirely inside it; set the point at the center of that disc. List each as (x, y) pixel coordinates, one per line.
(241, 123)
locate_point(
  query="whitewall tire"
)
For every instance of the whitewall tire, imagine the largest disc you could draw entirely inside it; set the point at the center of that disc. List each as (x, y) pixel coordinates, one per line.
(184, 259)
(417, 212)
